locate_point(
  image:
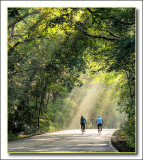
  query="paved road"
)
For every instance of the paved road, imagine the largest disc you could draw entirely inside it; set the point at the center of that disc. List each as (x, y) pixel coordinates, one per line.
(65, 141)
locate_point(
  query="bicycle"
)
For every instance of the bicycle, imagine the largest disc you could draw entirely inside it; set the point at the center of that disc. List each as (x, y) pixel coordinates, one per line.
(82, 129)
(99, 129)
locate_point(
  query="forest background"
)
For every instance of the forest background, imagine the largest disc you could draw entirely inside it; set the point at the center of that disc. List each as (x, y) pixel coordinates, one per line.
(68, 62)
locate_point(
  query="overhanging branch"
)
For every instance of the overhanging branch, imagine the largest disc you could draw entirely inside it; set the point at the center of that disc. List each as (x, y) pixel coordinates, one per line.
(26, 40)
(98, 36)
(22, 18)
(51, 66)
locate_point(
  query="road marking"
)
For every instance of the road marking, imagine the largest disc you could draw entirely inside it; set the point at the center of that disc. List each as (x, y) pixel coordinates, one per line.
(115, 150)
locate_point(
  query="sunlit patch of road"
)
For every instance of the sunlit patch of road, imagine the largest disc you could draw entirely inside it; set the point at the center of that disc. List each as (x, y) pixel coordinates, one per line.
(71, 141)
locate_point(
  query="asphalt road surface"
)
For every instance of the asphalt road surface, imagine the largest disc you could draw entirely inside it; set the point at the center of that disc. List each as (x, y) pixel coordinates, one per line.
(68, 141)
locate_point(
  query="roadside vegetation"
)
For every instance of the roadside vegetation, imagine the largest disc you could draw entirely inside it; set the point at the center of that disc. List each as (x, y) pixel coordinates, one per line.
(122, 142)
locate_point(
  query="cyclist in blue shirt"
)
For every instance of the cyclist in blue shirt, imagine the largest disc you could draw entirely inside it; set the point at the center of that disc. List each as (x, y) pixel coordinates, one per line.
(99, 122)
(82, 122)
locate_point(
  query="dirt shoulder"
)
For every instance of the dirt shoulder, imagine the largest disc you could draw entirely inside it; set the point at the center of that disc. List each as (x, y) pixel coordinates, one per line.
(119, 142)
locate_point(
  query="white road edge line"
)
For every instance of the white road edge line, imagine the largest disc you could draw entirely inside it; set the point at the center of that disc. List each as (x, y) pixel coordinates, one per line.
(115, 150)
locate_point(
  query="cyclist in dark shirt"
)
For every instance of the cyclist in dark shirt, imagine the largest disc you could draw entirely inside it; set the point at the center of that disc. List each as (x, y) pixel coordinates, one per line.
(82, 122)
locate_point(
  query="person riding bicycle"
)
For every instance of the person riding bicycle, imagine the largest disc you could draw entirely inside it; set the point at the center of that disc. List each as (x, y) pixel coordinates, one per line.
(82, 122)
(99, 122)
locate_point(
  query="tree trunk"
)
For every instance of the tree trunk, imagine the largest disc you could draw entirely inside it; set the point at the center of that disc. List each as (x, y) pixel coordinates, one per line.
(39, 120)
(130, 88)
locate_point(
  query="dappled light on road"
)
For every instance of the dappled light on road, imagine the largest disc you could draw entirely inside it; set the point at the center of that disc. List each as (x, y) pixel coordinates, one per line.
(65, 141)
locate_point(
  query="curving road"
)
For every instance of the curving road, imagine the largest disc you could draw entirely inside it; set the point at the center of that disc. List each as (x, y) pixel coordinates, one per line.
(65, 141)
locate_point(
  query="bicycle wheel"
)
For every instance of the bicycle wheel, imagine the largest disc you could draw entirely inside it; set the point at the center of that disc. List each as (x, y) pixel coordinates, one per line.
(82, 130)
(99, 129)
